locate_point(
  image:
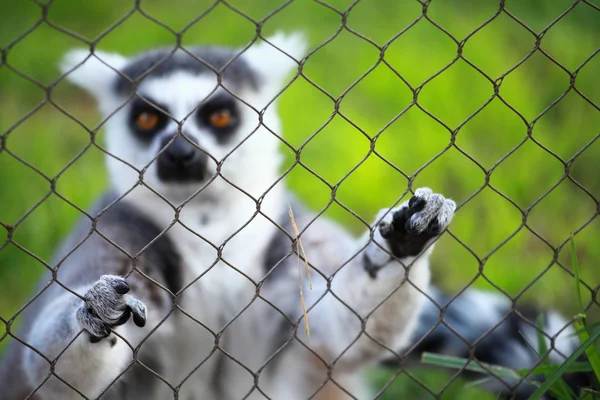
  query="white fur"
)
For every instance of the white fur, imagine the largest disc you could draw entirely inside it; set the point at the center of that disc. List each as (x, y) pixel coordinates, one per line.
(277, 59)
(183, 92)
(95, 72)
(495, 307)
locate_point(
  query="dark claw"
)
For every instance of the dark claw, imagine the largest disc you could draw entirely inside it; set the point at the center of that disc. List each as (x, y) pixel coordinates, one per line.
(416, 203)
(139, 320)
(121, 287)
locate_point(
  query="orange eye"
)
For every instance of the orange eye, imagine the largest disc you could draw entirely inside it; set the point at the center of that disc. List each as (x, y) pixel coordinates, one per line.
(221, 118)
(147, 120)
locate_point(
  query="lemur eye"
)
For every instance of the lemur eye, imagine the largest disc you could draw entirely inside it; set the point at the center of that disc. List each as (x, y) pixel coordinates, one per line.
(220, 118)
(147, 120)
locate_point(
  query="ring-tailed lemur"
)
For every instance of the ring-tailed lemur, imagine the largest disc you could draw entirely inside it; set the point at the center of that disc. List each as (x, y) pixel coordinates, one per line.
(185, 282)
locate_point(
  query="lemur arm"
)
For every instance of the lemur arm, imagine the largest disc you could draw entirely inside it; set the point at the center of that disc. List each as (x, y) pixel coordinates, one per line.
(381, 286)
(85, 360)
(77, 331)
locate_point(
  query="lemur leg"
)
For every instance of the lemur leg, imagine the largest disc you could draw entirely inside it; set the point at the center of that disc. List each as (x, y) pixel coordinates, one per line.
(96, 357)
(383, 284)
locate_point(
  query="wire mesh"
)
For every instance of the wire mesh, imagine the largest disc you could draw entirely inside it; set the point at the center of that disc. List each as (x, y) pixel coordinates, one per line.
(424, 17)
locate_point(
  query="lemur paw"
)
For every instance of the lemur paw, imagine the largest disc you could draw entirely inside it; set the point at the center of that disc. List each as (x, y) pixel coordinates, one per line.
(408, 229)
(107, 305)
(411, 226)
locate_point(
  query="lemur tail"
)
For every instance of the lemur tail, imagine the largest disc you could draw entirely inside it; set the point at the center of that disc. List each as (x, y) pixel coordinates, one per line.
(485, 326)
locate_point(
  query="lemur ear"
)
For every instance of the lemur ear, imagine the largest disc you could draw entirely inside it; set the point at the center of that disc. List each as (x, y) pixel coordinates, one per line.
(269, 57)
(94, 72)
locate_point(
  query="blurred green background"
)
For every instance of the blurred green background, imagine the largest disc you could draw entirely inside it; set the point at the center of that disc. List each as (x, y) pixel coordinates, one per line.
(38, 135)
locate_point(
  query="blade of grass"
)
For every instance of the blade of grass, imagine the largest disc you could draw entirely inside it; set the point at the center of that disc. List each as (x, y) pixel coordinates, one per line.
(590, 394)
(579, 366)
(591, 351)
(564, 366)
(469, 365)
(587, 327)
(581, 321)
(299, 241)
(575, 264)
(561, 390)
(576, 367)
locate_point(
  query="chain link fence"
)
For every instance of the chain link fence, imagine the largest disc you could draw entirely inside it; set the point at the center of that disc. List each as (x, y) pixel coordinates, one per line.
(451, 143)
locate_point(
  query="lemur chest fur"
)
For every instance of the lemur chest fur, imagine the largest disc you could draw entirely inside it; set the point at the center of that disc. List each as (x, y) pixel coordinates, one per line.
(219, 269)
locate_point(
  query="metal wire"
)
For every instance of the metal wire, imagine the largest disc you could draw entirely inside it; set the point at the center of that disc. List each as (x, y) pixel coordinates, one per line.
(138, 9)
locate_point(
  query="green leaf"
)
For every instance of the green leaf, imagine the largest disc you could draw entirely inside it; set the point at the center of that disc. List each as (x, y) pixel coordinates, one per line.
(564, 366)
(591, 351)
(440, 360)
(469, 365)
(579, 366)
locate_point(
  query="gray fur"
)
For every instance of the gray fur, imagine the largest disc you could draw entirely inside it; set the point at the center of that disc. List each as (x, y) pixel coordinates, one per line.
(107, 305)
(446, 213)
(138, 310)
(197, 60)
(436, 207)
(104, 301)
(93, 325)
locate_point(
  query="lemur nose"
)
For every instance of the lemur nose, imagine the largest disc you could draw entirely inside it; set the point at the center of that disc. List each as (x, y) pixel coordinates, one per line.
(181, 160)
(180, 151)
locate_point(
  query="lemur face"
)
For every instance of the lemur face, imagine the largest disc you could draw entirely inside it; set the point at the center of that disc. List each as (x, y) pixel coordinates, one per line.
(177, 121)
(180, 126)
(185, 130)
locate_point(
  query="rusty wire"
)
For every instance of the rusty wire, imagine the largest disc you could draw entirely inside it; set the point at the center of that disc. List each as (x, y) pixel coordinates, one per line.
(258, 24)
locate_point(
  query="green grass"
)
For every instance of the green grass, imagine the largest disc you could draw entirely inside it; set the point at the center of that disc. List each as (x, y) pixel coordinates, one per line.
(48, 139)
